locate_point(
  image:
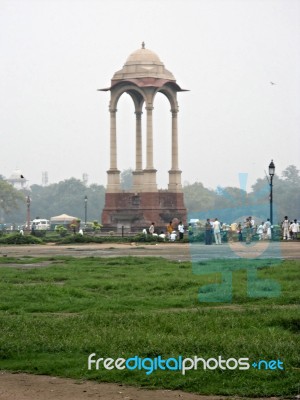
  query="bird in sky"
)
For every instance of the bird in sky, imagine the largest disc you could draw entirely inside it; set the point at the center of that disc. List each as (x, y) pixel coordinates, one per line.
(22, 177)
(272, 83)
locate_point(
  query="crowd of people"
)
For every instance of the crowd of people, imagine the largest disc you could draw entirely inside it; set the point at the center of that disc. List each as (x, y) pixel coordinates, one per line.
(290, 229)
(174, 231)
(214, 230)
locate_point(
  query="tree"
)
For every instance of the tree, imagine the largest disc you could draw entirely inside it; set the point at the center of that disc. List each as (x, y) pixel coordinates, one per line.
(291, 174)
(58, 198)
(286, 194)
(10, 198)
(68, 197)
(198, 198)
(126, 179)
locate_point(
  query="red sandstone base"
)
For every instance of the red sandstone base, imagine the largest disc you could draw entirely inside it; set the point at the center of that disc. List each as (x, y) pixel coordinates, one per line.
(136, 211)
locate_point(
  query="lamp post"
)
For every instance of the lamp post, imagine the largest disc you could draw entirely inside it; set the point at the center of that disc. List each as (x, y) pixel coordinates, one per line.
(28, 212)
(85, 209)
(271, 173)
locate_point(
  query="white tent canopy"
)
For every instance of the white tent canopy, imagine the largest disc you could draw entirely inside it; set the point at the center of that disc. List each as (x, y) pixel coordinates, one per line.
(62, 217)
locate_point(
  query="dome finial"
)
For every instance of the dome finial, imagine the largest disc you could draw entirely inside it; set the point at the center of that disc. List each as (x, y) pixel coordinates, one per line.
(143, 45)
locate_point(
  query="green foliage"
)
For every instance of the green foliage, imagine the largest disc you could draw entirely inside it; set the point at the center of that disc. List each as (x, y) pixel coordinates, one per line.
(146, 238)
(286, 193)
(126, 179)
(61, 230)
(64, 197)
(286, 197)
(17, 238)
(198, 198)
(77, 238)
(96, 226)
(10, 198)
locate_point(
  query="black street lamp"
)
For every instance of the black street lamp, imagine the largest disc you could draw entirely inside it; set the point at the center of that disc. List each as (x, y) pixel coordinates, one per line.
(271, 173)
(28, 212)
(85, 209)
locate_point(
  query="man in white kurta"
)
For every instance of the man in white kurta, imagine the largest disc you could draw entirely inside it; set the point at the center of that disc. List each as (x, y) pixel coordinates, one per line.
(217, 231)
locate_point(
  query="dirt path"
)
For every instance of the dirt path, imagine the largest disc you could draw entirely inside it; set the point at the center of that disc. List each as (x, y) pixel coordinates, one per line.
(40, 387)
(172, 251)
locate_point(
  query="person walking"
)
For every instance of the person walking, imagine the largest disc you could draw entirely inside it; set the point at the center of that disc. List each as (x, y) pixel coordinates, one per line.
(267, 229)
(260, 231)
(169, 229)
(248, 228)
(217, 231)
(181, 230)
(294, 229)
(286, 229)
(208, 232)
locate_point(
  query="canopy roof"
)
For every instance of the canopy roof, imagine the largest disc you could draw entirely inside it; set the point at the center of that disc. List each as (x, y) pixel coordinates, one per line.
(63, 217)
(144, 68)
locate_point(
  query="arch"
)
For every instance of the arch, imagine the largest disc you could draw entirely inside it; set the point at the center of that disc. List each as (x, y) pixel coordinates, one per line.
(137, 95)
(171, 96)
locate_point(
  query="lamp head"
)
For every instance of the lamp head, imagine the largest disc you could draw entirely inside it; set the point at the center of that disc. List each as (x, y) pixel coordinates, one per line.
(272, 168)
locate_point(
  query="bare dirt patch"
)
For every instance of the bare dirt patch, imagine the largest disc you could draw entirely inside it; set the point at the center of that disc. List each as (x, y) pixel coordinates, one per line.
(40, 387)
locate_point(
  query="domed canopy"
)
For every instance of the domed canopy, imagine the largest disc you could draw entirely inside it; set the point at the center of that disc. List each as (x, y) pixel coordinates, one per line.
(16, 176)
(143, 63)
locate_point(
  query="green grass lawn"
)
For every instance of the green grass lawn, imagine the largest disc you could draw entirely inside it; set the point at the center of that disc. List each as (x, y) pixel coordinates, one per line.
(53, 316)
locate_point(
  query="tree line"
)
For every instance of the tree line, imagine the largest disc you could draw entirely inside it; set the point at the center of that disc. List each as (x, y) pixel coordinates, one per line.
(68, 197)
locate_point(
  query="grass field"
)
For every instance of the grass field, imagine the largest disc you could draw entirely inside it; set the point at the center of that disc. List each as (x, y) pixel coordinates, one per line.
(54, 312)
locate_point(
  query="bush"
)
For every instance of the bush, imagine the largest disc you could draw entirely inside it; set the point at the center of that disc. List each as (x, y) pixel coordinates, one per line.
(61, 230)
(37, 233)
(77, 238)
(17, 238)
(146, 238)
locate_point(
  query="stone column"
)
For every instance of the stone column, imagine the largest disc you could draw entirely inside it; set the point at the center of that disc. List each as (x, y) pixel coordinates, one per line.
(138, 142)
(174, 140)
(138, 173)
(149, 164)
(113, 174)
(174, 173)
(149, 184)
(113, 139)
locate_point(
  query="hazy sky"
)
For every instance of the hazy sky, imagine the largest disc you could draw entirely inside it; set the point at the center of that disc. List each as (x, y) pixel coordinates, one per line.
(55, 54)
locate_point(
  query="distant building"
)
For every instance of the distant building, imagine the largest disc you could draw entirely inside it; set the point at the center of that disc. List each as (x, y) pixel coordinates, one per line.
(17, 180)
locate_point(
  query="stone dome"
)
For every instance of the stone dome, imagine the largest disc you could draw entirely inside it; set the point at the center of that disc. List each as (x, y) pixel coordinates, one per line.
(143, 63)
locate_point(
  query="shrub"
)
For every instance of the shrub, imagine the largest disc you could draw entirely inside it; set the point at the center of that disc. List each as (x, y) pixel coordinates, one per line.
(17, 238)
(146, 238)
(61, 230)
(77, 238)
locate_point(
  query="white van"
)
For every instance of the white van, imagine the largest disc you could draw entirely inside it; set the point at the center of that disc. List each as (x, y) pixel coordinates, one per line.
(41, 224)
